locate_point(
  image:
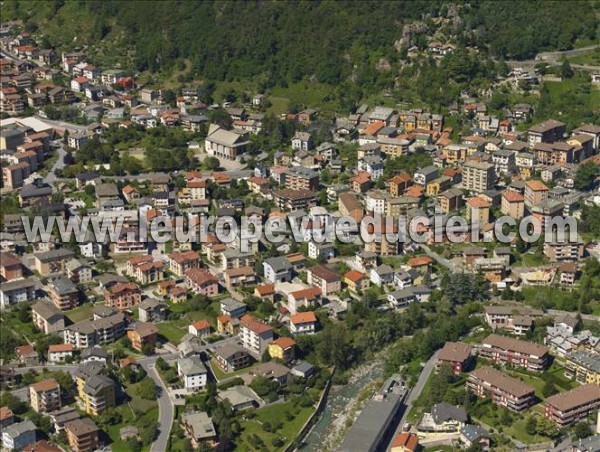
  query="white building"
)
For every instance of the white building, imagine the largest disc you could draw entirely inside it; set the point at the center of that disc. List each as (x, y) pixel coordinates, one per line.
(193, 373)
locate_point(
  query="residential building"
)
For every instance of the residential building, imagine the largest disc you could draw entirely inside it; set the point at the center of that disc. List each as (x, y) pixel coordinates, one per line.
(425, 175)
(513, 204)
(277, 269)
(515, 352)
(292, 200)
(475, 436)
(450, 200)
(202, 282)
(405, 442)
(199, 328)
(63, 293)
(487, 382)
(583, 367)
(145, 270)
(303, 323)
(301, 178)
(96, 391)
(44, 396)
(511, 317)
(100, 331)
(193, 373)
(47, 317)
(18, 436)
(82, 435)
(321, 276)
(58, 353)
(536, 192)
(180, 263)
(143, 334)
(478, 176)
(17, 291)
(282, 348)
(569, 407)
(356, 280)
(152, 310)
(122, 296)
(255, 334)
(302, 141)
(200, 429)
(457, 355)
(10, 266)
(504, 162)
(79, 271)
(546, 132)
(225, 144)
(564, 251)
(232, 357)
(234, 309)
(52, 261)
(444, 418)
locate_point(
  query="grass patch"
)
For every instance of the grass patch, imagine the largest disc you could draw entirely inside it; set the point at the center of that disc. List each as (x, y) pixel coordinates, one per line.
(80, 313)
(274, 414)
(220, 375)
(171, 331)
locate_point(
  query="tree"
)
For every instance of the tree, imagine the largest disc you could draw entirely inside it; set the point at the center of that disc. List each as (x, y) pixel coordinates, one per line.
(147, 389)
(585, 176)
(531, 426)
(582, 430)
(565, 70)
(148, 349)
(549, 389)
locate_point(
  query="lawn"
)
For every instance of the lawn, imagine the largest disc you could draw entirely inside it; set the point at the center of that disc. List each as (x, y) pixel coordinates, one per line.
(171, 331)
(146, 409)
(591, 58)
(220, 375)
(80, 313)
(274, 414)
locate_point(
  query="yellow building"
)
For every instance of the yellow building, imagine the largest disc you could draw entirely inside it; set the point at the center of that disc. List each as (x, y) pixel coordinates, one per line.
(282, 348)
(95, 390)
(438, 185)
(478, 209)
(583, 367)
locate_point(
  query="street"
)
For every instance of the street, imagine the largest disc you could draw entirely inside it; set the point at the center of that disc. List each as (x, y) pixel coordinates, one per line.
(454, 268)
(165, 409)
(58, 165)
(415, 392)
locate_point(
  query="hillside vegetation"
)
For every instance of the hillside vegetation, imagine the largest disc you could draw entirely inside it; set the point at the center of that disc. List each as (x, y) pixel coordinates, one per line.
(279, 43)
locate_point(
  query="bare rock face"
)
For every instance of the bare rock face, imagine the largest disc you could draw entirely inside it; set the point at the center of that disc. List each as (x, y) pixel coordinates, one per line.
(409, 31)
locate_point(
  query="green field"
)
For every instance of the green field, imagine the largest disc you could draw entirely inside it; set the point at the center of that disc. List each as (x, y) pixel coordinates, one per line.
(171, 331)
(273, 414)
(80, 313)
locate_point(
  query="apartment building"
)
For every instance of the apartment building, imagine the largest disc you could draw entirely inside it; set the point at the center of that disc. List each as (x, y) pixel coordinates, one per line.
(292, 200)
(47, 317)
(145, 270)
(63, 293)
(95, 390)
(328, 280)
(513, 204)
(572, 406)
(501, 389)
(180, 263)
(100, 331)
(515, 352)
(122, 296)
(255, 334)
(202, 282)
(457, 355)
(508, 317)
(192, 373)
(44, 396)
(566, 251)
(536, 192)
(143, 334)
(546, 132)
(82, 435)
(478, 176)
(583, 367)
(300, 178)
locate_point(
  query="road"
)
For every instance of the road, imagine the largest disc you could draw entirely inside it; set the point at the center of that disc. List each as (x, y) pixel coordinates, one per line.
(553, 59)
(415, 392)
(587, 317)
(166, 410)
(454, 268)
(58, 165)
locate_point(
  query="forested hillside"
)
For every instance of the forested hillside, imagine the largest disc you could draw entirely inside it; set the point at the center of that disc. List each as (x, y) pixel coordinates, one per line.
(283, 42)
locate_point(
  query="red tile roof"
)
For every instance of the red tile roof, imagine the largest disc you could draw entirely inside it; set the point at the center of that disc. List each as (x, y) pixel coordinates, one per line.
(303, 317)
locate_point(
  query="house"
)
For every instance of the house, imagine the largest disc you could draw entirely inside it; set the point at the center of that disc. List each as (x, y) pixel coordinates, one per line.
(302, 141)
(240, 397)
(515, 352)
(234, 309)
(321, 276)
(349, 205)
(546, 132)
(58, 353)
(27, 355)
(18, 436)
(82, 435)
(569, 407)
(10, 266)
(143, 334)
(44, 396)
(277, 269)
(425, 175)
(303, 323)
(382, 275)
(405, 442)
(487, 382)
(272, 371)
(79, 271)
(444, 417)
(6, 417)
(200, 429)
(193, 373)
(282, 348)
(310, 297)
(200, 328)
(232, 357)
(145, 270)
(356, 280)
(152, 310)
(503, 317)
(255, 334)
(180, 263)
(457, 355)
(47, 317)
(513, 204)
(52, 261)
(473, 435)
(316, 250)
(265, 291)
